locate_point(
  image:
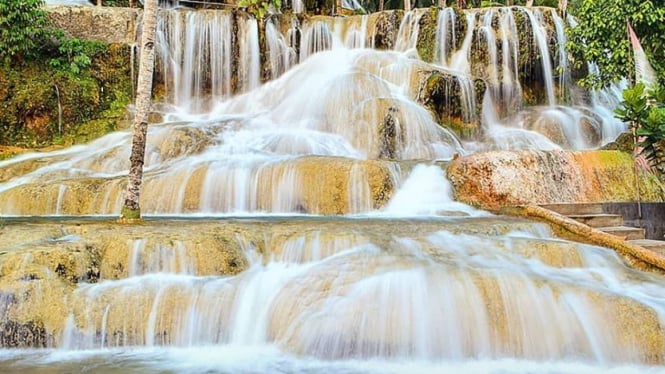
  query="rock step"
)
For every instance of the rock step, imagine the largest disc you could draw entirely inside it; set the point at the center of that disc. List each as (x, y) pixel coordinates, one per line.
(628, 233)
(657, 246)
(598, 220)
(567, 209)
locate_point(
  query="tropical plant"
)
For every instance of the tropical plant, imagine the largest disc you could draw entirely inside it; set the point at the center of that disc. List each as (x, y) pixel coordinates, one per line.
(23, 28)
(644, 109)
(600, 37)
(73, 54)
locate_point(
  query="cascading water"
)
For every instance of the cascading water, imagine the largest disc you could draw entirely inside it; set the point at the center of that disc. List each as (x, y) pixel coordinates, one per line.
(446, 36)
(562, 56)
(282, 56)
(540, 40)
(407, 37)
(311, 224)
(250, 64)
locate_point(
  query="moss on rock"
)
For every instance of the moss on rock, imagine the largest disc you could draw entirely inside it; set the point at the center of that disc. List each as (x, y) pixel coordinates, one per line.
(92, 102)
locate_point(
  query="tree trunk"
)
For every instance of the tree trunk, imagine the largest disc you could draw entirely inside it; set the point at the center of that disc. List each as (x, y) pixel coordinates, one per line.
(131, 209)
(461, 4)
(381, 5)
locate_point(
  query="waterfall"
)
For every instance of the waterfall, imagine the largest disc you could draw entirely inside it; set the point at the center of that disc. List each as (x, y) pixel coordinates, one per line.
(195, 50)
(446, 36)
(407, 35)
(316, 37)
(460, 59)
(250, 64)
(511, 88)
(540, 41)
(282, 56)
(329, 98)
(438, 292)
(562, 68)
(356, 32)
(299, 215)
(493, 66)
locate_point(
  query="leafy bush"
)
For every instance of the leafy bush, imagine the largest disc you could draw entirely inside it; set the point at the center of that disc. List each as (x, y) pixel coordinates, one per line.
(23, 28)
(72, 55)
(645, 110)
(601, 38)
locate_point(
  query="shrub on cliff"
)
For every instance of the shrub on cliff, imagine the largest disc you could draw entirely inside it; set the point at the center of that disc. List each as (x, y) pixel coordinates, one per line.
(23, 28)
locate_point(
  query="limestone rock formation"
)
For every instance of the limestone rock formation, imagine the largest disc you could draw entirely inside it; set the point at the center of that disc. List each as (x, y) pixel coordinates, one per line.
(496, 179)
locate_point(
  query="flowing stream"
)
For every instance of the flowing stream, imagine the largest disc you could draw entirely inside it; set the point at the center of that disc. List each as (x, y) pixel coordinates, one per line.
(306, 224)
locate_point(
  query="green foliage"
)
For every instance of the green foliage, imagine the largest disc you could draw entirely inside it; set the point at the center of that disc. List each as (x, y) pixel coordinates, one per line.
(116, 3)
(645, 110)
(41, 66)
(259, 8)
(633, 108)
(27, 34)
(93, 101)
(23, 28)
(601, 37)
(73, 54)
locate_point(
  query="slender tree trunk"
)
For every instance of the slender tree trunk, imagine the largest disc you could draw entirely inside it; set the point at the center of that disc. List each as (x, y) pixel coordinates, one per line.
(131, 209)
(529, 3)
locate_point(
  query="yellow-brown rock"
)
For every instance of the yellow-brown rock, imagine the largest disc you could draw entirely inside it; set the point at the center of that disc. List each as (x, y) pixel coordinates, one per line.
(316, 185)
(494, 179)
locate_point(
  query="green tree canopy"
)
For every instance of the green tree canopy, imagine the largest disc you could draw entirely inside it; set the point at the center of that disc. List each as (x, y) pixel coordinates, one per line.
(601, 37)
(23, 26)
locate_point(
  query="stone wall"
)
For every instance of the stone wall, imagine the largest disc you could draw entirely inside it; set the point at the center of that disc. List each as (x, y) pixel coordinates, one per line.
(649, 216)
(105, 24)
